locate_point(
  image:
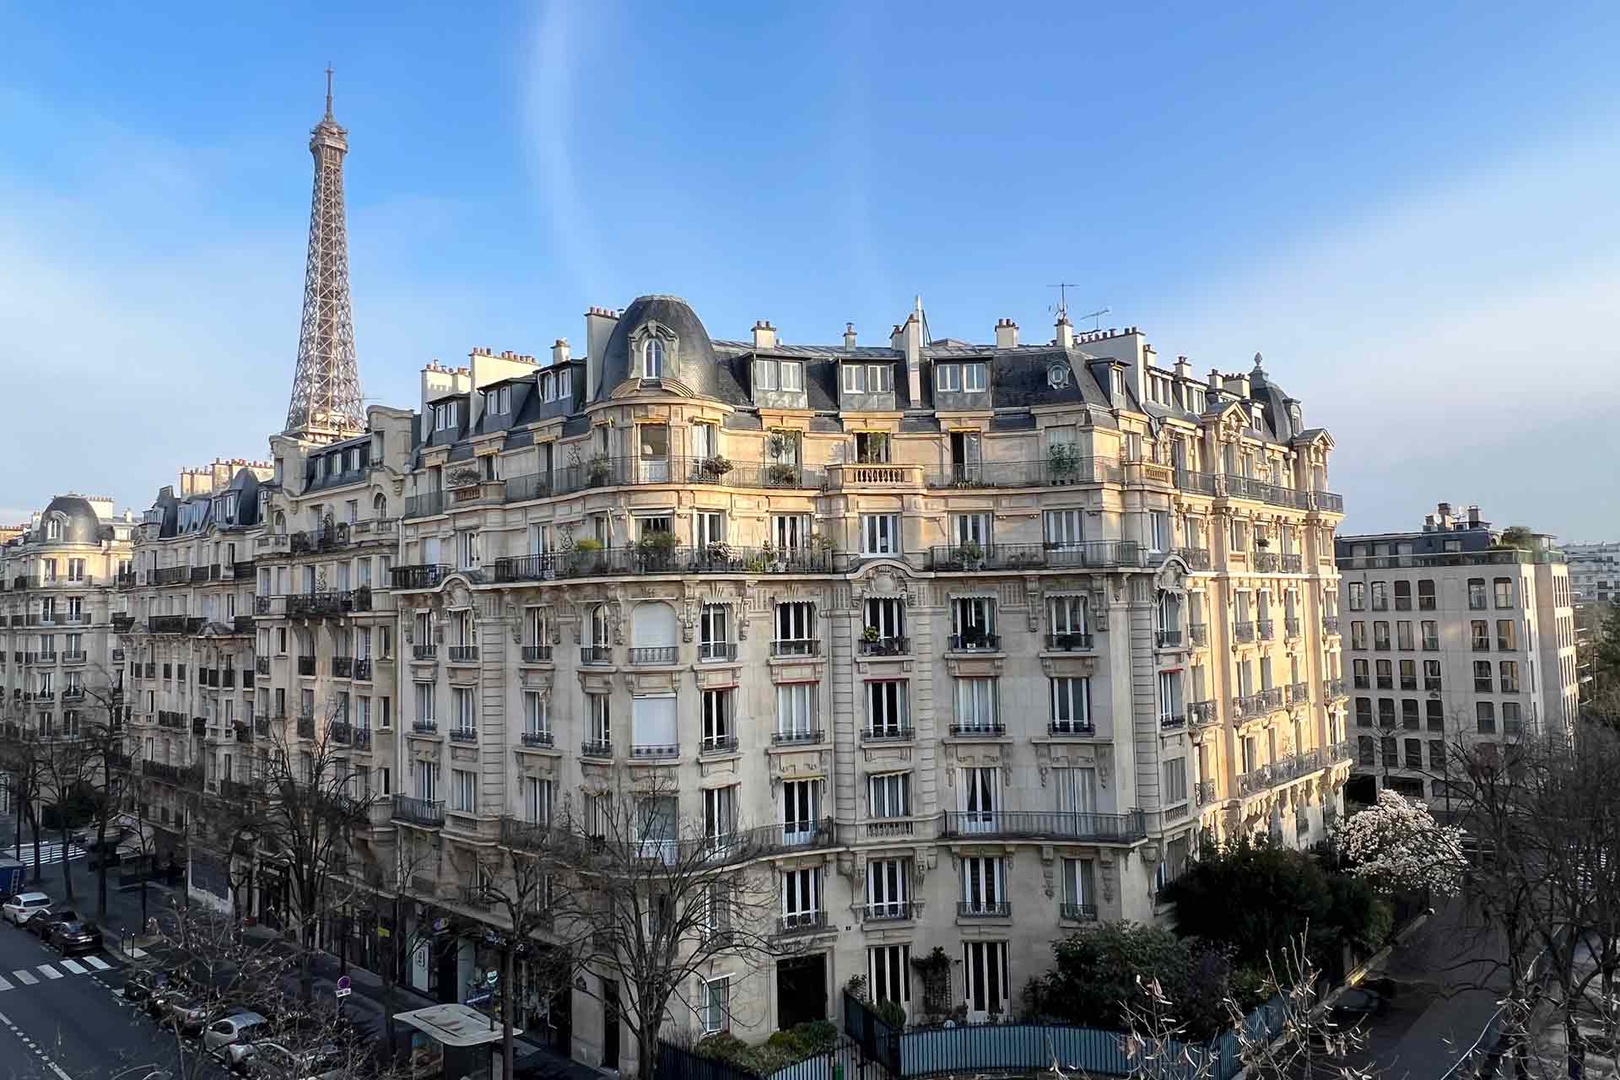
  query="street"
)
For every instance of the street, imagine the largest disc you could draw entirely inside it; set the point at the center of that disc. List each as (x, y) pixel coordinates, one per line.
(63, 1018)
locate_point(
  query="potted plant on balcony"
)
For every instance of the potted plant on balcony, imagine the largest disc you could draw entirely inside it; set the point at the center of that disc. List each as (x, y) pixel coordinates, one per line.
(656, 550)
(712, 468)
(585, 556)
(870, 635)
(717, 554)
(781, 474)
(1063, 459)
(599, 471)
(466, 476)
(969, 555)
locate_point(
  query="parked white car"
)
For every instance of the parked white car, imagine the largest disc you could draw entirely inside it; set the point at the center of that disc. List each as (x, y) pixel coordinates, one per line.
(20, 908)
(236, 1028)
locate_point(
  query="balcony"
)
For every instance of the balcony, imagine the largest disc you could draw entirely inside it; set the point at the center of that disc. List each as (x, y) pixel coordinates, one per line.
(801, 922)
(362, 668)
(1202, 714)
(422, 812)
(596, 654)
(796, 647)
(170, 575)
(1432, 682)
(424, 652)
(1072, 641)
(659, 654)
(1334, 689)
(978, 731)
(1044, 824)
(1167, 639)
(717, 651)
(341, 732)
(173, 624)
(596, 748)
(975, 641)
(75, 656)
(1266, 628)
(718, 744)
(306, 665)
(525, 835)
(422, 576)
(1327, 501)
(1243, 631)
(1172, 721)
(983, 909)
(1198, 634)
(361, 738)
(261, 664)
(343, 667)
(123, 623)
(1204, 792)
(462, 654)
(305, 727)
(797, 738)
(1265, 562)
(1071, 729)
(536, 738)
(887, 911)
(1085, 555)
(425, 727)
(1247, 487)
(1290, 562)
(1195, 558)
(1291, 627)
(890, 733)
(883, 646)
(1299, 693)
(463, 734)
(1250, 705)
(1078, 912)
(1062, 472)
(718, 558)
(655, 751)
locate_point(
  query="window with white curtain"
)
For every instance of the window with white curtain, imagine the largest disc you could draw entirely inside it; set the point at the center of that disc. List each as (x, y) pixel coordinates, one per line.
(984, 886)
(978, 796)
(886, 715)
(889, 795)
(1076, 789)
(888, 888)
(652, 724)
(538, 796)
(795, 711)
(976, 704)
(880, 534)
(1071, 704)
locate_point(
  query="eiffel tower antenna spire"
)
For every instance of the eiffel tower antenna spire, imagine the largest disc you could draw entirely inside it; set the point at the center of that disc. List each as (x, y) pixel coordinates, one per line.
(326, 402)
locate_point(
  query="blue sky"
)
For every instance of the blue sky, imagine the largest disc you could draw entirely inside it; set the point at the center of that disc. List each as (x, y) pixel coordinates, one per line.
(1410, 210)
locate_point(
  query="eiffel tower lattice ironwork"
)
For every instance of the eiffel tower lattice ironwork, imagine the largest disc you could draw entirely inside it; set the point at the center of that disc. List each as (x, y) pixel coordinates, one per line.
(326, 401)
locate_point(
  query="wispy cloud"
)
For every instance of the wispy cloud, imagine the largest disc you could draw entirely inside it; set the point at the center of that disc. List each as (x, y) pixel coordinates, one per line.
(550, 104)
(1459, 343)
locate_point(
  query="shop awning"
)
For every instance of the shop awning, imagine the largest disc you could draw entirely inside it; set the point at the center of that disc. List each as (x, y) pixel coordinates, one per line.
(454, 1025)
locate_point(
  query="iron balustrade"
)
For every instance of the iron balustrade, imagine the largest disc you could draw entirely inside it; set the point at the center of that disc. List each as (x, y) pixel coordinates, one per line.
(362, 738)
(796, 647)
(416, 811)
(536, 738)
(983, 909)
(1167, 639)
(888, 733)
(887, 911)
(658, 654)
(425, 727)
(1202, 713)
(1172, 721)
(981, 731)
(975, 641)
(1073, 641)
(1266, 628)
(306, 727)
(884, 646)
(1204, 792)
(1243, 630)
(1290, 562)
(343, 667)
(1078, 912)
(463, 734)
(424, 652)
(718, 558)
(1265, 562)
(462, 654)
(537, 654)
(1069, 727)
(655, 751)
(596, 748)
(1036, 472)
(1299, 693)
(306, 665)
(1291, 626)
(362, 668)
(797, 738)
(1080, 555)
(1330, 624)
(1039, 824)
(718, 744)
(424, 576)
(717, 650)
(1198, 634)
(596, 654)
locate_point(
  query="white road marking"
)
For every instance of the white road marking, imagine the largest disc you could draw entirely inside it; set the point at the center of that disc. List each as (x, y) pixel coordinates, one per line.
(24, 977)
(138, 953)
(48, 971)
(97, 962)
(58, 1070)
(5, 984)
(73, 966)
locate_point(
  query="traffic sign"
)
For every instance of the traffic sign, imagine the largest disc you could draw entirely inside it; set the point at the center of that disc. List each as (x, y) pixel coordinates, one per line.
(343, 986)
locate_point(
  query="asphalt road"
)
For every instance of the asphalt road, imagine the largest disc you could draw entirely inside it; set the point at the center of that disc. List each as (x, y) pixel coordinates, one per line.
(58, 1023)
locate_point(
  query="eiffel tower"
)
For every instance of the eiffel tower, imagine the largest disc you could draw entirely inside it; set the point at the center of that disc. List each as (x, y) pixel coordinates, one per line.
(326, 401)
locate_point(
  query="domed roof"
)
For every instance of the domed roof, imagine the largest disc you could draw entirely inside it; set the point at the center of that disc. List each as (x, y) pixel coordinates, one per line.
(80, 525)
(688, 353)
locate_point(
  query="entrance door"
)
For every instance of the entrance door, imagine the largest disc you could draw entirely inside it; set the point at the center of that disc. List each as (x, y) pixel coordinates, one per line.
(801, 990)
(447, 982)
(610, 1025)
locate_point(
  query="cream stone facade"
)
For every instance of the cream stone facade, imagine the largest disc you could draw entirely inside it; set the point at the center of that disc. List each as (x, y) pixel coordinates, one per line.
(978, 636)
(185, 625)
(59, 658)
(1453, 639)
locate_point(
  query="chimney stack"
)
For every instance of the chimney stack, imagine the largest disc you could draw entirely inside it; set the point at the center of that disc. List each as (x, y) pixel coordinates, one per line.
(1006, 334)
(1473, 517)
(849, 337)
(764, 335)
(1065, 332)
(599, 324)
(559, 351)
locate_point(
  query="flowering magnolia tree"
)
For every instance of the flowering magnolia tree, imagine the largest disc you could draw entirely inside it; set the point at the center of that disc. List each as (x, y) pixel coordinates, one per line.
(1398, 845)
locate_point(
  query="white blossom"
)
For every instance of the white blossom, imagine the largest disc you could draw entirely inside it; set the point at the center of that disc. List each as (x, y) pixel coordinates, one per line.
(1398, 844)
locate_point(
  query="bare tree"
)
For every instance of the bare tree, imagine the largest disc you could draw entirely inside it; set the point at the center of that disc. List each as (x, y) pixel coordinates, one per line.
(650, 904)
(24, 763)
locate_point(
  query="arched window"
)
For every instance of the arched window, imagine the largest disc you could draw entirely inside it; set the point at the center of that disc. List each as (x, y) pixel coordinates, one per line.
(53, 528)
(280, 523)
(652, 359)
(379, 506)
(654, 633)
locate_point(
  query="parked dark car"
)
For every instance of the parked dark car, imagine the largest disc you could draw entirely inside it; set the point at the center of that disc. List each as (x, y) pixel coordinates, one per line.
(42, 926)
(39, 924)
(141, 981)
(74, 936)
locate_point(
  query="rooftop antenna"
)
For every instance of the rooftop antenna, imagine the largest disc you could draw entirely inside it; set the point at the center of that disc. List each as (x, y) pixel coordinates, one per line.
(329, 89)
(1096, 317)
(1063, 288)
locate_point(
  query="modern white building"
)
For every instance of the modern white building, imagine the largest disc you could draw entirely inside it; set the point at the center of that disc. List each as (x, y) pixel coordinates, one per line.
(1452, 634)
(1594, 572)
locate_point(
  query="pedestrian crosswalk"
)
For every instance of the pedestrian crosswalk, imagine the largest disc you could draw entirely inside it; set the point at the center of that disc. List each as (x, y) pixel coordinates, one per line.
(84, 965)
(50, 852)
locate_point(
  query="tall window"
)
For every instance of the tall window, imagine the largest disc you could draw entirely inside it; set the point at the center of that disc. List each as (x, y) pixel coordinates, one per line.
(461, 701)
(463, 790)
(888, 795)
(652, 359)
(886, 709)
(536, 717)
(978, 796)
(1071, 704)
(538, 799)
(1079, 889)
(801, 897)
(599, 729)
(971, 529)
(984, 969)
(976, 705)
(1070, 619)
(801, 809)
(888, 973)
(795, 623)
(1175, 781)
(1064, 528)
(790, 532)
(795, 712)
(424, 702)
(713, 640)
(718, 733)
(888, 892)
(714, 1003)
(1476, 594)
(880, 534)
(1504, 592)
(984, 884)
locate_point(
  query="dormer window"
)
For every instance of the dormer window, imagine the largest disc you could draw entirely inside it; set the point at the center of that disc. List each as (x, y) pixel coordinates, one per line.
(498, 400)
(868, 379)
(53, 528)
(1116, 380)
(652, 359)
(445, 416)
(1057, 376)
(779, 375)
